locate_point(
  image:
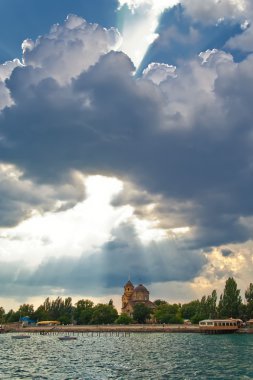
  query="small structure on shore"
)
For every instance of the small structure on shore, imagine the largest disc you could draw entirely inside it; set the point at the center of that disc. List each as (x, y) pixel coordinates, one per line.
(219, 326)
(133, 295)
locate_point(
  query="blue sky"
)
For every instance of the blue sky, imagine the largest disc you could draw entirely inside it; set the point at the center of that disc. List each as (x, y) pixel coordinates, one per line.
(21, 19)
(125, 133)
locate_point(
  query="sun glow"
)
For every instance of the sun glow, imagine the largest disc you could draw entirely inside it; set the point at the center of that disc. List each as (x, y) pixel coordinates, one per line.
(138, 21)
(81, 229)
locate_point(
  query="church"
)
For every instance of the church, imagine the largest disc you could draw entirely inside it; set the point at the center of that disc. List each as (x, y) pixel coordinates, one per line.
(133, 295)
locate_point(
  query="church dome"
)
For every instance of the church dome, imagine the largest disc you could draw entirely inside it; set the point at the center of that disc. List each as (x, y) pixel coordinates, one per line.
(141, 288)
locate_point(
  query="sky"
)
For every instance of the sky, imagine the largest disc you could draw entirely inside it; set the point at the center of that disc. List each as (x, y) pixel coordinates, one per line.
(125, 148)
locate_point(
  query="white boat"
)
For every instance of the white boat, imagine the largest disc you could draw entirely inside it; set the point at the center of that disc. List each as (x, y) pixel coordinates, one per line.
(219, 326)
(67, 337)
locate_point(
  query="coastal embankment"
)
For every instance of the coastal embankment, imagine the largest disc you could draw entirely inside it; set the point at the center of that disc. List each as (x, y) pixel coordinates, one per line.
(135, 328)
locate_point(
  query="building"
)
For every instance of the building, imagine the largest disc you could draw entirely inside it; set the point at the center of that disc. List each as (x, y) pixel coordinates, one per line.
(133, 295)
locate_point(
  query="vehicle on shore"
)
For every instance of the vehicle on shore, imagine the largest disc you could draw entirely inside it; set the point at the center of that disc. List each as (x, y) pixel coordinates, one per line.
(219, 326)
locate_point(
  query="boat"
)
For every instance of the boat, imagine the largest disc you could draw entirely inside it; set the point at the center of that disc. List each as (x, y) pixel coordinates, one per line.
(219, 326)
(67, 337)
(20, 336)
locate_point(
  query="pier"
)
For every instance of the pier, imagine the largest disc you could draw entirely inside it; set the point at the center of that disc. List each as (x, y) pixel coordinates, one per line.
(109, 330)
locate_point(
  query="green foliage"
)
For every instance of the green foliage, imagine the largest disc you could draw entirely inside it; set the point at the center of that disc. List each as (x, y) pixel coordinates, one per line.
(205, 308)
(160, 302)
(26, 310)
(189, 310)
(124, 319)
(12, 316)
(2, 315)
(249, 298)
(230, 300)
(249, 293)
(103, 314)
(58, 309)
(166, 313)
(141, 313)
(83, 312)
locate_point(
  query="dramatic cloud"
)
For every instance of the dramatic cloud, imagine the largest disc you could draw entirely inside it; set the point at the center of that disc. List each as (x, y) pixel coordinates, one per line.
(75, 45)
(102, 271)
(177, 141)
(5, 71)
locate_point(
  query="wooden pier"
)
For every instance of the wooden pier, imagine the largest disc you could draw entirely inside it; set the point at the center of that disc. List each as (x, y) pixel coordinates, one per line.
(110, 330)
(104, 330)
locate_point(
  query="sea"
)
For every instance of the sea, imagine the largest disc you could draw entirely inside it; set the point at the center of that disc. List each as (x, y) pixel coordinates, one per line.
(136, 356)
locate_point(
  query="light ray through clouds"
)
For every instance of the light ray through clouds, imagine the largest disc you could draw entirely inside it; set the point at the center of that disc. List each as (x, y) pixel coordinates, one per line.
(169, 144)
(137, 22)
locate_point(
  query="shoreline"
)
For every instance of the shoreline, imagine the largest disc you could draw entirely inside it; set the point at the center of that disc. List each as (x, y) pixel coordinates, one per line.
(117, 329)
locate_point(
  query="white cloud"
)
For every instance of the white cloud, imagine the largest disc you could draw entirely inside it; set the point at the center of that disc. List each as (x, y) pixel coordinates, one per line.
(182, 140)
(159, 72)
(242, 42)
(82, 228)
(5, 72)
(69, 49)
(211, 11)
(219, 267)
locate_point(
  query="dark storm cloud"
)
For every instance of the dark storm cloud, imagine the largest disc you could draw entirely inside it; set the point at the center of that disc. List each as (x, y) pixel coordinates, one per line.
(106, 121)
(187, 141)
(19, 197)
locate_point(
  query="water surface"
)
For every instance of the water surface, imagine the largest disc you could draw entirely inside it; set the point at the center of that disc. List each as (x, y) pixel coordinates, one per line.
(138, 357)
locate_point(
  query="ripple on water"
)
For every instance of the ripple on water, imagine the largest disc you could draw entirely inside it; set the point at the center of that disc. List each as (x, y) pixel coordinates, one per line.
(138, 357)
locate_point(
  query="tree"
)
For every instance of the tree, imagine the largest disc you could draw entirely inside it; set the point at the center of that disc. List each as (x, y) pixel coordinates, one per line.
(124, 319)
(141, 313)
(83, 312)
(230, 300)
(41, 314)
(211, 303)
(2, 315)
(249, 299)
(12, 316)
(26, 310)
(166, 313)
(103, 314)
(249, 293)
(160, 302)
(190, 309)
(66, 316)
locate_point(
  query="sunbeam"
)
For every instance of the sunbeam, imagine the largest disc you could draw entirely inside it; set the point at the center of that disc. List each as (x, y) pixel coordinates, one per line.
(137, 22)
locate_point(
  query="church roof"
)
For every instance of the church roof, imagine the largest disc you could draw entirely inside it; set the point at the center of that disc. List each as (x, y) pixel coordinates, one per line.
(141, 288)
(129, 283)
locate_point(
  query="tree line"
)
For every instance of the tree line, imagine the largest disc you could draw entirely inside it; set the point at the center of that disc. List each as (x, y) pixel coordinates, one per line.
(85, 312)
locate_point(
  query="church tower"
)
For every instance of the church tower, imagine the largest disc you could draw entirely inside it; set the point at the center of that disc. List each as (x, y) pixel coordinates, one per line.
(128, 292)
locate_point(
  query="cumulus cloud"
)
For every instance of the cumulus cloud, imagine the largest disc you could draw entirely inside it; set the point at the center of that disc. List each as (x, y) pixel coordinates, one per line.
(213, 11)
(5, 72)
(157, 73)
(180, 138)
(173, 127)
(75, 45)
(243, 42)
